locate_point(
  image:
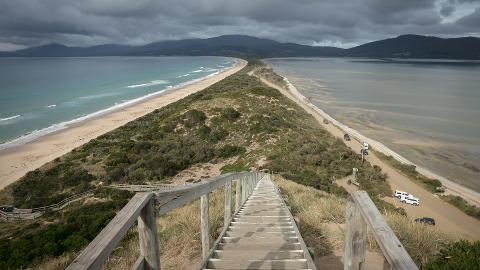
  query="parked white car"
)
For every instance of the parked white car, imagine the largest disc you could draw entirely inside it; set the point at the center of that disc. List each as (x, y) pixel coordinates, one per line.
(399, 193)
(410, 200)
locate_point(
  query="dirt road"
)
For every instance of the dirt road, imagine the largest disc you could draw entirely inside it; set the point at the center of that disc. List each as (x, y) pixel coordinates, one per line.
(448, 218)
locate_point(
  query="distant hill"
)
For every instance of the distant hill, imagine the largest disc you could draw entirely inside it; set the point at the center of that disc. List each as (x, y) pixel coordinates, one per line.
(415, 46)
(227, 45)
(405, 46)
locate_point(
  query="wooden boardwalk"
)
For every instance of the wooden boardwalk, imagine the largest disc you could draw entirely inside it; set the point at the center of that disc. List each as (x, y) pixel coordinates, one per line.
(262, 235)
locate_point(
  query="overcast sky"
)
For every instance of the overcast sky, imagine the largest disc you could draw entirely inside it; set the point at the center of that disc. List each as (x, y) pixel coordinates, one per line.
(342, 23)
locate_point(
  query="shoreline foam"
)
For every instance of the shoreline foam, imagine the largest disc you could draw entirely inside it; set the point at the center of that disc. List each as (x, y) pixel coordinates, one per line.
(470, 195)
(15, 162)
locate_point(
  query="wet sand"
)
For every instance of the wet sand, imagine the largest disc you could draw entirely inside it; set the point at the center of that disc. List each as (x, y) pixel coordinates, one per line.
(453, 160)
(17, 161)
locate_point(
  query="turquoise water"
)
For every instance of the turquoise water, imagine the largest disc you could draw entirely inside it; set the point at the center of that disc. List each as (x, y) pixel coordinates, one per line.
(427, 111)
(41, 95)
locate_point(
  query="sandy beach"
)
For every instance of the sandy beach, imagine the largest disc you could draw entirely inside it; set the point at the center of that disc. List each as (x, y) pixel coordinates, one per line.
(15, 162)
(448, 218)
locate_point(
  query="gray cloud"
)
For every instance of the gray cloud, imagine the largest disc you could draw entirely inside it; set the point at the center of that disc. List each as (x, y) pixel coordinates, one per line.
(339, 22)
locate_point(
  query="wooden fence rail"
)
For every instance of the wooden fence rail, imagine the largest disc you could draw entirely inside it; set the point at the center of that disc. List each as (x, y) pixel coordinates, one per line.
(23, 214)
(142, 208)
(362, 213)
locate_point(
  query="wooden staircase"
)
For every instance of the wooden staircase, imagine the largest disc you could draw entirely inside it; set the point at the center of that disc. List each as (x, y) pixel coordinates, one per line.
(261, 235)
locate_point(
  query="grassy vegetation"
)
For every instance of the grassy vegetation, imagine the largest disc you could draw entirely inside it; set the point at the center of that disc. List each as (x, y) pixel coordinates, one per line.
(178, 234)
(322, 224)
(462, 255)
(410, 171)
(463, 205)
(29, 242)
(263, 71)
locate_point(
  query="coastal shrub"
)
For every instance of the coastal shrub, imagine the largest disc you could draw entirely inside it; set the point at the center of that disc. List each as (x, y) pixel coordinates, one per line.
(81, 223)
(117, 158)
(463, 205)
(193, 117)
(230, 114)
(461, 255)
(230, 151)
(411, 172)
(204, 132)
(265, 91)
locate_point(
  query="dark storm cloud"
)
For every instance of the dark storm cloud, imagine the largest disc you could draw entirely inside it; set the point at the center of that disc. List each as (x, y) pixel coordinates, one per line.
(338, 22)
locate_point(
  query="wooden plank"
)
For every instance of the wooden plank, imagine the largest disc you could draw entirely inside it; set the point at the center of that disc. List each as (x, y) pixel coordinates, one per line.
(139, 264)
(177, 197)
(228, 203)
(95, 254)
(355, 239)
(306, 253)
(147, 237)
(219, 239)
(238, 188)
(392, 248)
(204, 227)
(244, 189)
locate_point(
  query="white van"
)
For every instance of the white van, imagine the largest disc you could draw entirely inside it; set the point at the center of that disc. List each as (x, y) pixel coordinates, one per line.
(410, 200)
(399, 193)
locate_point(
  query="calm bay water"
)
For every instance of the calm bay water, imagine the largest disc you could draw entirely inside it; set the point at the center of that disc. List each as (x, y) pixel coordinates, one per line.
(41, 95)
(427, 111)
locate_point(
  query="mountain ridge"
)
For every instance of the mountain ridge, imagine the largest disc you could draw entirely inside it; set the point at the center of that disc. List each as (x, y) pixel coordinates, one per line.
(403, 46)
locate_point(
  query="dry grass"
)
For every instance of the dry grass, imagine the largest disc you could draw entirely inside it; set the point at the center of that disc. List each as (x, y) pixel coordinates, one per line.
(322, 224)
(57, 263)
(321, 215)
(178, 234)
(421, 241)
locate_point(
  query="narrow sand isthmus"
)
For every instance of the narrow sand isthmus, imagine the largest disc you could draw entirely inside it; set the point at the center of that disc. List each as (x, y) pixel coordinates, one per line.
(17, 161)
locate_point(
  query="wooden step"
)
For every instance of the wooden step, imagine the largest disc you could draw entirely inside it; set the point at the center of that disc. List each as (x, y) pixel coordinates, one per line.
(255, 229)
(257, 264)
(247, 233)
(263, 239)
(261, 235)
(259, 246)
(259, 254)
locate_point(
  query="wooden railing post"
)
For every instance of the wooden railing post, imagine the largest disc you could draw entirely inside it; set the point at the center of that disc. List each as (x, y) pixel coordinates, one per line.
(244, 189)
(204, 228)
(356, 237)
(147, 237)
(228, 202)
(252, 183)
(238, 191)
(360, 211)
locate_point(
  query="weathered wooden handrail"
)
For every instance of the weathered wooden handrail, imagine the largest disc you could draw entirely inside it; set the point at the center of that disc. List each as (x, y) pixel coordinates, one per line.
(60, 205)
(141, 208)
(141, 188)
(362, 213)
(22, 214)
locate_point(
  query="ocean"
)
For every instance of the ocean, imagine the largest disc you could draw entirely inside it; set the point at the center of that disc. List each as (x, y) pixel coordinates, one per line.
(42, 95)
(427, 111)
